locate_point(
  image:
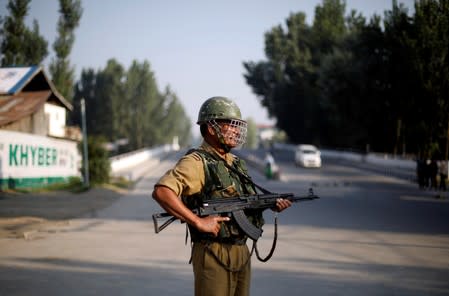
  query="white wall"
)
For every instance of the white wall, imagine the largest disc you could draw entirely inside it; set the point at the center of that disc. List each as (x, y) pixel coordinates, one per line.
(29, 156)
(56, 119)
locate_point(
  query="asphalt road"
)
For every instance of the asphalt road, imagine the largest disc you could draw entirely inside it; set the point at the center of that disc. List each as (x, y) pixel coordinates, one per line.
(368, 234)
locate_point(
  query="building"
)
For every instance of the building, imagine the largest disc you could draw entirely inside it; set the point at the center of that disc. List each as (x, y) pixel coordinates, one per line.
(36, 146)
(30, 103)
(266, 133)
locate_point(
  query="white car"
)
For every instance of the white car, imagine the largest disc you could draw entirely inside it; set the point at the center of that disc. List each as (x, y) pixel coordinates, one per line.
(308, 156)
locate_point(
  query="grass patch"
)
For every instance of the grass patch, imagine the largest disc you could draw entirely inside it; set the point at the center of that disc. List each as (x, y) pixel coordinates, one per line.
(122, 182)
(75, 185)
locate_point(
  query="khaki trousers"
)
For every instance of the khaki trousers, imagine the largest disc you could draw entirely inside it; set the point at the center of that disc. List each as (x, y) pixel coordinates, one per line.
(221, 269)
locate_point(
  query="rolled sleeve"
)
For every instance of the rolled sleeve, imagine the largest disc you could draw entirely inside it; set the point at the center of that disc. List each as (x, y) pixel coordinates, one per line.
(186, 178)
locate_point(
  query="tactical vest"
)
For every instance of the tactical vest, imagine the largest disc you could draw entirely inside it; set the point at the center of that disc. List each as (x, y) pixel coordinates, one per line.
(221, 182)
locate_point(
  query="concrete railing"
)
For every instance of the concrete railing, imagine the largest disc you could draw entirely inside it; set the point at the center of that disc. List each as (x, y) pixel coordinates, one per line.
(381, 163)
(387, 160)
(130, 165)
(373, 158)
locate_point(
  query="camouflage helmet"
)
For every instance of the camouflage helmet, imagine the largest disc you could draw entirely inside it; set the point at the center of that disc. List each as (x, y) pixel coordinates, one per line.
(218, 108)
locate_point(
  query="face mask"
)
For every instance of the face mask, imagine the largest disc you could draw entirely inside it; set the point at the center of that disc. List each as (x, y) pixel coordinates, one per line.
(231, 133)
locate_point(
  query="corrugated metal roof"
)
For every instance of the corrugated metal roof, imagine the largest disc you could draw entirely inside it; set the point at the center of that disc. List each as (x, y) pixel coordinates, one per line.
(13, 79)
(13, 108)
(17, 79)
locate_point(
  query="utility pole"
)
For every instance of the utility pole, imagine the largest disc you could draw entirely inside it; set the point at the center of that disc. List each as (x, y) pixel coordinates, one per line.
(85, 156)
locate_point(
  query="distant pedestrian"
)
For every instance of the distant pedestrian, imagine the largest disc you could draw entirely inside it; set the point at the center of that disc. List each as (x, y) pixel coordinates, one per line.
(269, 166)
(442, 170)
(420, 172)
(426, 174)
(433, 169)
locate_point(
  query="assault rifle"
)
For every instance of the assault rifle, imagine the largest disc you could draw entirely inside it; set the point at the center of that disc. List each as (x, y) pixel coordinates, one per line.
(235, 207)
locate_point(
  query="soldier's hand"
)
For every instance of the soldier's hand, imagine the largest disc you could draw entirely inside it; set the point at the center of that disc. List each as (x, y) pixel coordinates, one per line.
(282, 204)
(211, 224)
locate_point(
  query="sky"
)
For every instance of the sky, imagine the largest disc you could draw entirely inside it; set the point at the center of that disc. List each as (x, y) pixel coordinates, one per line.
(195, 47)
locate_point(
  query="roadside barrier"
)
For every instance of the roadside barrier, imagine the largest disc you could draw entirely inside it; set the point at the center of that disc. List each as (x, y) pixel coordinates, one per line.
(133, 165)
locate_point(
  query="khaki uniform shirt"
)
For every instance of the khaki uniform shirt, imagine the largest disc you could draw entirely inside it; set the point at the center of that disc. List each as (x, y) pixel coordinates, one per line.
(187, 177)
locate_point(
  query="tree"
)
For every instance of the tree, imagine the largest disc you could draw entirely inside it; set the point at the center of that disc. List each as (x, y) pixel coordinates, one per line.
(86, 88)
(19, 45)
(144, 104)
(127, 104)
(287, 82)
(35, 46)
(110, 94)
(251, 134)
(281, 82)
(329, 26)
(398, 75)
(431, 61)
(347, 83)
(174, 121)
(61, 71)
(99, 165)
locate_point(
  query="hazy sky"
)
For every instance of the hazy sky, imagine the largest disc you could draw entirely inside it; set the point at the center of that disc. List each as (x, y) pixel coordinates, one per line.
(196, 47)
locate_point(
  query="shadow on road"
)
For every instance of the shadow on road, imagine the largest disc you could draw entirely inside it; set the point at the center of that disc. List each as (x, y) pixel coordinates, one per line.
(319, 277)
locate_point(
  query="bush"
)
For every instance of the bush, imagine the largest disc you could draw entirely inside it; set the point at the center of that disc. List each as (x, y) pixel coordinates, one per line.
(99, 165)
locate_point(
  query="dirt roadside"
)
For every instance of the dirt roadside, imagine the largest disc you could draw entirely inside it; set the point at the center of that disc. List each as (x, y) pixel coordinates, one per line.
(24, 213)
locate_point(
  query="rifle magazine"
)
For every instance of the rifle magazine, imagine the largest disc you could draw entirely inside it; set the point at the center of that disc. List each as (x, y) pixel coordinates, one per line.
(252, 231)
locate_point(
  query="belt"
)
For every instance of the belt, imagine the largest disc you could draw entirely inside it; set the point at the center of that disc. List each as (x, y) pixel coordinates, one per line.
(224, 240)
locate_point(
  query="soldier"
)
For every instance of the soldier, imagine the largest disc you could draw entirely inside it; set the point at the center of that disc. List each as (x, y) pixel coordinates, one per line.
(442, 170)
(220, 256)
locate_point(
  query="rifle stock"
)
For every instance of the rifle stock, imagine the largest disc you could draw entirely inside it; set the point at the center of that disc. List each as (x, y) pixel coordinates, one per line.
(236, 207)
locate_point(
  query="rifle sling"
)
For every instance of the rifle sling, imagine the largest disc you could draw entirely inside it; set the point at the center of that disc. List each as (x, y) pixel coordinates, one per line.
(238, 172)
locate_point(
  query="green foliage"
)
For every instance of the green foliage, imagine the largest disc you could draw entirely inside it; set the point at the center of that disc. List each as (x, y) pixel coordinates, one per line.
(99, 165)
(61, 71)
(329, 26)
(280, 137)
(20, 46)
(121, 182)
(174, 121)
(143, 103)
(73, 184)
(85, 88)
(251, 136)
(35, 47)
(346, 82)
(127, 104)
(430, 49)
(109, 99)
